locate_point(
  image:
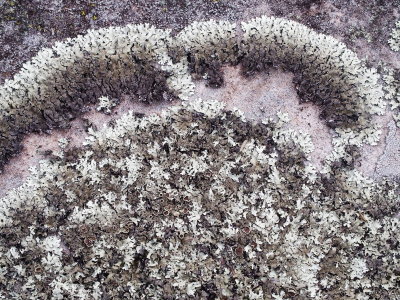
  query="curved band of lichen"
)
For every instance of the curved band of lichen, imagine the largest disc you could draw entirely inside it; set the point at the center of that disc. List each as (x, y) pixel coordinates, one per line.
(52, 87)
(79, 70)
(328, 73)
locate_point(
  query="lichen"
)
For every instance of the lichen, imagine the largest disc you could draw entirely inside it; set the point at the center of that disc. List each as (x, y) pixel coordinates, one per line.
(106, 104)
(197, 202)
(394, 41)
(58, 82)
(53, 87)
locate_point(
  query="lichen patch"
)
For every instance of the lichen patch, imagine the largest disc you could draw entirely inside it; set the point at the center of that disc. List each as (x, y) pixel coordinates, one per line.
(197, 202)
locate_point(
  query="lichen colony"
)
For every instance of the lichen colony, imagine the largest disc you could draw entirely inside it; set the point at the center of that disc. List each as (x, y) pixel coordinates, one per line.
(197, 202)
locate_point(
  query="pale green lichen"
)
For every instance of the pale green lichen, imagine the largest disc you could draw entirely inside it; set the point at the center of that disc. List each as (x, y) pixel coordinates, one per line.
(106, 104)
(52, 87)
(197, 202)
(394, 41)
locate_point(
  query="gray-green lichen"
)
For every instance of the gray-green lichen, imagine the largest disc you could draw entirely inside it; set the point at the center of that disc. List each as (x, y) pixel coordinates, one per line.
(53, 87)
(394, 41)
(106, 104)
(197, 203)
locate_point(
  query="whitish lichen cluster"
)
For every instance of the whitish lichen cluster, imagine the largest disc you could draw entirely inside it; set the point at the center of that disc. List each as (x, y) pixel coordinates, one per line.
(53, 87)
(197, 203)
(394, 41)
(106, 104)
